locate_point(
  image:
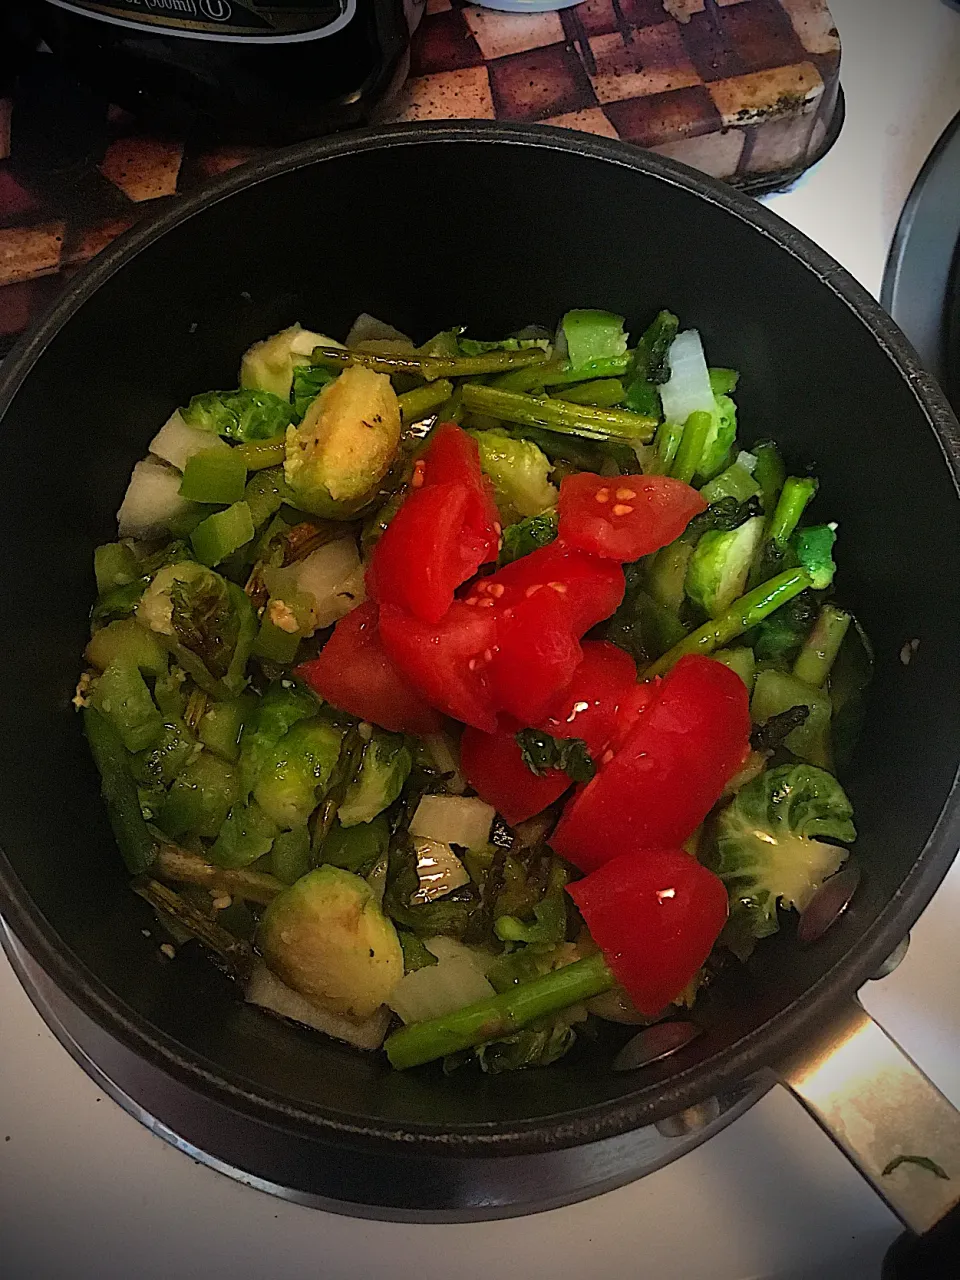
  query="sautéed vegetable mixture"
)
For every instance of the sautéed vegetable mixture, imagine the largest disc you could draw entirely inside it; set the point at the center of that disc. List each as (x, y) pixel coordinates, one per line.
(455, 696)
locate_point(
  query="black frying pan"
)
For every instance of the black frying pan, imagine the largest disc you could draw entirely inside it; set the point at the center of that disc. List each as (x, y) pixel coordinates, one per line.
(426, 226)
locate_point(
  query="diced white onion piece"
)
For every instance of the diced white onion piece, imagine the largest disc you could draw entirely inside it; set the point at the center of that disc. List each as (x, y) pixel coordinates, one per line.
(455, 981)
(444, 753)
(304, 340)
(152, 500)
(367, 328)
(175, 442)
(462, 820)
(323, 573)
(688, 390)
(439, 871)
(267, 991)
(747, 460)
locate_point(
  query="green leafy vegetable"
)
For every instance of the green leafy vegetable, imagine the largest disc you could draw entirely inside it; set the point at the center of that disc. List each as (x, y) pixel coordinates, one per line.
(721, 516)
(777, 691)
(415, 955)
(356, 848)
(718, 569)
(650, 368)
(530, 1048)
(519, 472)
(774, 732)
(771, 842)
(246, 835)
(527, 535)
(780, 636)
(281, 707)
(384, 768)
(308, 381)
(542, 752)
(813, 548)
(239, 415)
(207, 622)
(547, 929)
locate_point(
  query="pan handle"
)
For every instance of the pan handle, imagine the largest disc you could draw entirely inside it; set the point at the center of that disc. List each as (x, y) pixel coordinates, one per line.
(877, 1105)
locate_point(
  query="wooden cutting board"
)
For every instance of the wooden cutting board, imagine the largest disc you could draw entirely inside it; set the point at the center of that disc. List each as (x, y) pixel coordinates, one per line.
(745, 90)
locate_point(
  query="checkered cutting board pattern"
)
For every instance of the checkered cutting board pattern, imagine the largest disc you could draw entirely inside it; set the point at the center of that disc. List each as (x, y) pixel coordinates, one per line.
(744, 90)
(737, 88)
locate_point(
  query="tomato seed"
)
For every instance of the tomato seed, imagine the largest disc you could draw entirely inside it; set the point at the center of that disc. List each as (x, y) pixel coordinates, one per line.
(530, 591)
(621, 509)
(488, 655)
(559, 587)
(472, 664)
(623, 494)
(485, 604)
(496, 589)
(602, 495)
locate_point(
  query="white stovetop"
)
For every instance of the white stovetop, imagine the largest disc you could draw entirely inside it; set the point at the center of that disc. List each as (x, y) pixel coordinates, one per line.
(85, 1191)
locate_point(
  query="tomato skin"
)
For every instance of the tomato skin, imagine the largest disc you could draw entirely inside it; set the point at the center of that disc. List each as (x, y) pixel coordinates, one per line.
(591, 588)
(669, 771)
(446, 662)
(452, 457)
(445, 530)
(353, 673)
(493, 765)
(629, 709)
(417, 562)
(655, 914)
(624, 517)
(590, 707)
(535, 656)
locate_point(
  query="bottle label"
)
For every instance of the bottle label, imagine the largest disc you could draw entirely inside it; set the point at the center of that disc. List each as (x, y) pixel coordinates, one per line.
(259, 21)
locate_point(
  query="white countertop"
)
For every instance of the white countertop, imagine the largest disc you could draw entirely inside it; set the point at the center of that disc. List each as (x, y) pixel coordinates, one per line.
(85, 1191)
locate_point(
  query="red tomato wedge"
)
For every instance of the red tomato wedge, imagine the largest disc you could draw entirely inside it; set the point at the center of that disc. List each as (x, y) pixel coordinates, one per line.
(447, 661)
(655, 914)
(535, 655)
(446, 529)
(605, 679)
(452, 457)
(624, 517)
(493, 765)
(417, 564)
(668, 773)
(591, 588)
(629, 709)
(353, 673)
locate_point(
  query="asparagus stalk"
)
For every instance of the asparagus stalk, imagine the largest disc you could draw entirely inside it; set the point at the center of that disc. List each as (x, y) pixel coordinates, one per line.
(815, 660)
(422, 401)
(500, 1015)
(769, 474)
(692, 442)
(603, 393)
(794, 498)
(741, 616)
(235, 954)
(558, 415)
(181, 867)
(669, 436)
(119, 792)
(557, 373)
(431, 367)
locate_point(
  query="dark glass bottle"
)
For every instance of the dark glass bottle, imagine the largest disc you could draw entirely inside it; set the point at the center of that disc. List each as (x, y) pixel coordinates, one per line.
(256, 70)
